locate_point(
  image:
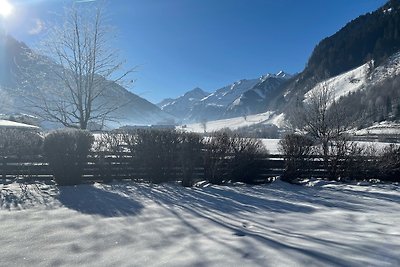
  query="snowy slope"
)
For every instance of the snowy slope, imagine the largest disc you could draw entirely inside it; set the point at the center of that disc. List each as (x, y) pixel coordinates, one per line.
(241, 98)
(226, 95)
(131, 224)
(345, 83)
(268, 117)
(382, 128)
(389, 69)
(182, 106)
(253, 101)
(214, 105)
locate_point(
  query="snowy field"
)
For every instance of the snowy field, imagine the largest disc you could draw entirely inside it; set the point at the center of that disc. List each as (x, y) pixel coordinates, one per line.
(272, 145)
(236, 123)
(130, 224)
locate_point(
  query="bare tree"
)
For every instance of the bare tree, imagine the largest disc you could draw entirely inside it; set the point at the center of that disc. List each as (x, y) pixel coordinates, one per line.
(86, 66)
(322, 119)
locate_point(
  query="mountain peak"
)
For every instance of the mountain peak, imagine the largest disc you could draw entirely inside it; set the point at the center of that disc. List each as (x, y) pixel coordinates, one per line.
(196, 93)
(281, 74)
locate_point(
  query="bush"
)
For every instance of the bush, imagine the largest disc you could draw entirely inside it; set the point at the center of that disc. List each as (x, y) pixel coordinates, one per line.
(297, 150)
(190, 156)
(106, 144)
(67, 151)
(390, 164)
(350, 161)
(245, 164)
(20, 142)
(232, 158)
(217, 149)
(156, 153)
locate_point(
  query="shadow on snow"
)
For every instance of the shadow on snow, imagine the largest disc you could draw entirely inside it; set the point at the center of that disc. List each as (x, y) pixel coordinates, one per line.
(88, 199)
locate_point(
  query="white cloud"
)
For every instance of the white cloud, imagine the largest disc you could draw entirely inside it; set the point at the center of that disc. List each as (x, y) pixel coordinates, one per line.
(37, 28)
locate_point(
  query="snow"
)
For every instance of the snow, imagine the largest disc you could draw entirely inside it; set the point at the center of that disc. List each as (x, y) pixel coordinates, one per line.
(13, 124)
(386, 71)
(382, 128)
(345, 83)
(226, 95)
(272, 146)
(132, 224)
(268, 117)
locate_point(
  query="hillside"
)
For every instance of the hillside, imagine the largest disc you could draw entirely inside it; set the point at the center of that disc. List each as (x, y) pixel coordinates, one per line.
(25, 75)
(184, 104)
(241, 98)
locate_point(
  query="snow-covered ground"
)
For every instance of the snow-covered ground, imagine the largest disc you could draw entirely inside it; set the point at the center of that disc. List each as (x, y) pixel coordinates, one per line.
(383, 128)
(237, 122)
(130, 224)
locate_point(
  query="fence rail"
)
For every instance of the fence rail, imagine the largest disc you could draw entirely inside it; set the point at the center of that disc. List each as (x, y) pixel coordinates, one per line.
(105, 166)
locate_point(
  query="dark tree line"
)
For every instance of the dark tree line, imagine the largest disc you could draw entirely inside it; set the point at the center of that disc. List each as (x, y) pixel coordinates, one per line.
(374, 36)
(379, 103)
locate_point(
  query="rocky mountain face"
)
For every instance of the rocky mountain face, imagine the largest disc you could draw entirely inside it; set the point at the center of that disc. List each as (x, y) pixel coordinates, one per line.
(183, 105)
(22, 72)
(240, 98)
(254, 100)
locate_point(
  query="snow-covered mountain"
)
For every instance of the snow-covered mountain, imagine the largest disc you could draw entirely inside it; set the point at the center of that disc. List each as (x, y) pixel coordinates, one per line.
(346, 83)
(253, 101)
(214, 105)
(238, 99)
(16, 91)
(367, 92)
(182, 105)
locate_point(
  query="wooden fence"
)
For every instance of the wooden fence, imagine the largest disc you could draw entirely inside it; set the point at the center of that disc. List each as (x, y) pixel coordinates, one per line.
(100, 167)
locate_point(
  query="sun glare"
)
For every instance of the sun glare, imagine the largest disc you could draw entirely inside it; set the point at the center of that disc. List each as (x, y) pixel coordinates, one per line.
(5, 8)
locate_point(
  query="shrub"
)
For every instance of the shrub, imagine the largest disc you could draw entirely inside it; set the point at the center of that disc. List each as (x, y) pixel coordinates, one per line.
(217, 148)
(20, 142)
(67, 151)
(232, 158)
(156, 153)
(190, 156)
(350, 161)
(110, 142)
(105, 144)
(245, 164)
(296, 150)
(390, 163)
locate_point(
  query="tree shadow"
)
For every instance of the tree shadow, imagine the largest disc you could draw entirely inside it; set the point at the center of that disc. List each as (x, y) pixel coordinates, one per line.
(320, 196)
(215, 199)
(88, 199)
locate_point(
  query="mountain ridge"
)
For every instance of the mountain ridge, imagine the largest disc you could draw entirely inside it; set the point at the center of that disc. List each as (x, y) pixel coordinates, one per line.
(18, 90)
(221, 103)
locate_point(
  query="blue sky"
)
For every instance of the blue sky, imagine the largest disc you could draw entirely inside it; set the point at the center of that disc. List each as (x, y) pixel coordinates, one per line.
(182, 44)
